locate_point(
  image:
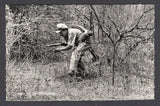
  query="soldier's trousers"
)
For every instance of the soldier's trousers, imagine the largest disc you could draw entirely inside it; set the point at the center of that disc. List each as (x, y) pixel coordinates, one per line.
(76, 64)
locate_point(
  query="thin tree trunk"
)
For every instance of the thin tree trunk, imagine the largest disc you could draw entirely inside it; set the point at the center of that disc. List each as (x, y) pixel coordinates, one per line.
(91, 24)
(98, 33)
(113, 65)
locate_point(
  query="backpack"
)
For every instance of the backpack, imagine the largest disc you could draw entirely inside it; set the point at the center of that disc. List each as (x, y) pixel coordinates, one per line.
(85, 36)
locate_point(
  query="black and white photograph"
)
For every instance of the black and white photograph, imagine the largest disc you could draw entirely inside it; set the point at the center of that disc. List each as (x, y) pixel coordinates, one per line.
(80, 52)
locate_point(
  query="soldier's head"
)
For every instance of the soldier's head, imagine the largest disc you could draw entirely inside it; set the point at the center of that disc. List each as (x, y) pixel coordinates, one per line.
(62, 29)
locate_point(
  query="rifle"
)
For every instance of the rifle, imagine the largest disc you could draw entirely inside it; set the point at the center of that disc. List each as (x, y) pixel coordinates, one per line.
(56, 44)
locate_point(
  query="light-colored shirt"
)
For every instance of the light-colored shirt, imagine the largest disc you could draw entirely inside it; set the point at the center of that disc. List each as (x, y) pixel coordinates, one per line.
(73, 34)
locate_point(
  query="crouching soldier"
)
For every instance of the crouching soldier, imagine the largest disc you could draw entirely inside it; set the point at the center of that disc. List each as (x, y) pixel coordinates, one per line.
(78, 40)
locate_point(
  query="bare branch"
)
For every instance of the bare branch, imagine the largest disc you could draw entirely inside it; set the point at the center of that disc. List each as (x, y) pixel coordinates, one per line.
(128, 36)
(134, 46)
(82, 14)
(106, 33)
(143, 15)
(114, 24)
(136, 25)
(132, 36)
(146, 28)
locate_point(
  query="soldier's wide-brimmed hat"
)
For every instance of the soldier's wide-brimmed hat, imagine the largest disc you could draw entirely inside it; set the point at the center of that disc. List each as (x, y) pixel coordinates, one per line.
(61, 27)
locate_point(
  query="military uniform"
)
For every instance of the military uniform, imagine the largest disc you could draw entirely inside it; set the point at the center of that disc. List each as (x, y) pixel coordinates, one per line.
(79, 40)
(78, 49)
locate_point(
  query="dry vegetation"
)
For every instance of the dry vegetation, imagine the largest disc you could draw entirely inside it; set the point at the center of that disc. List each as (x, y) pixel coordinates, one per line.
(124, 40)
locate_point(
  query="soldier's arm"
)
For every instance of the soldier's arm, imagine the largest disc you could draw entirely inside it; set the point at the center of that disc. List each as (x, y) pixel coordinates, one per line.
(68, 47)
(84, 30)
(70, 43)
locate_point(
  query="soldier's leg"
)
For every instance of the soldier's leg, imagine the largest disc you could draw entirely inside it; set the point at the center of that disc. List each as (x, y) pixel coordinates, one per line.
(82, 70)
(80, 67)
(73, 64)
(81, 49)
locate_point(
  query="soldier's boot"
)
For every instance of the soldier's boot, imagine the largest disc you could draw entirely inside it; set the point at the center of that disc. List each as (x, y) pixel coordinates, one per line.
(71, 73)
(82, 72)
(73, 77)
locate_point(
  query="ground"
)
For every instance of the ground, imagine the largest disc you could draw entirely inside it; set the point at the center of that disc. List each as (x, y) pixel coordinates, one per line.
(48, 82)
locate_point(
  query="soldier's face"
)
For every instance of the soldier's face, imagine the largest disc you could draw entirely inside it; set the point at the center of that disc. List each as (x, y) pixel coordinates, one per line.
(64, 33)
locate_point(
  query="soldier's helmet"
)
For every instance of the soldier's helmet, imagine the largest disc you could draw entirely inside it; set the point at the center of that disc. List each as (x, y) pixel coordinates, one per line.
(61, 27)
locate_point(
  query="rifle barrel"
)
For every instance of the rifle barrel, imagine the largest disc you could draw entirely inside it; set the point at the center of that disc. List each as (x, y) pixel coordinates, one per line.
(57, 44)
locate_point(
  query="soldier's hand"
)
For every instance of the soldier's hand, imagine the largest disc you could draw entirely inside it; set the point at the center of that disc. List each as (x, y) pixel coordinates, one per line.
(47, 45)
